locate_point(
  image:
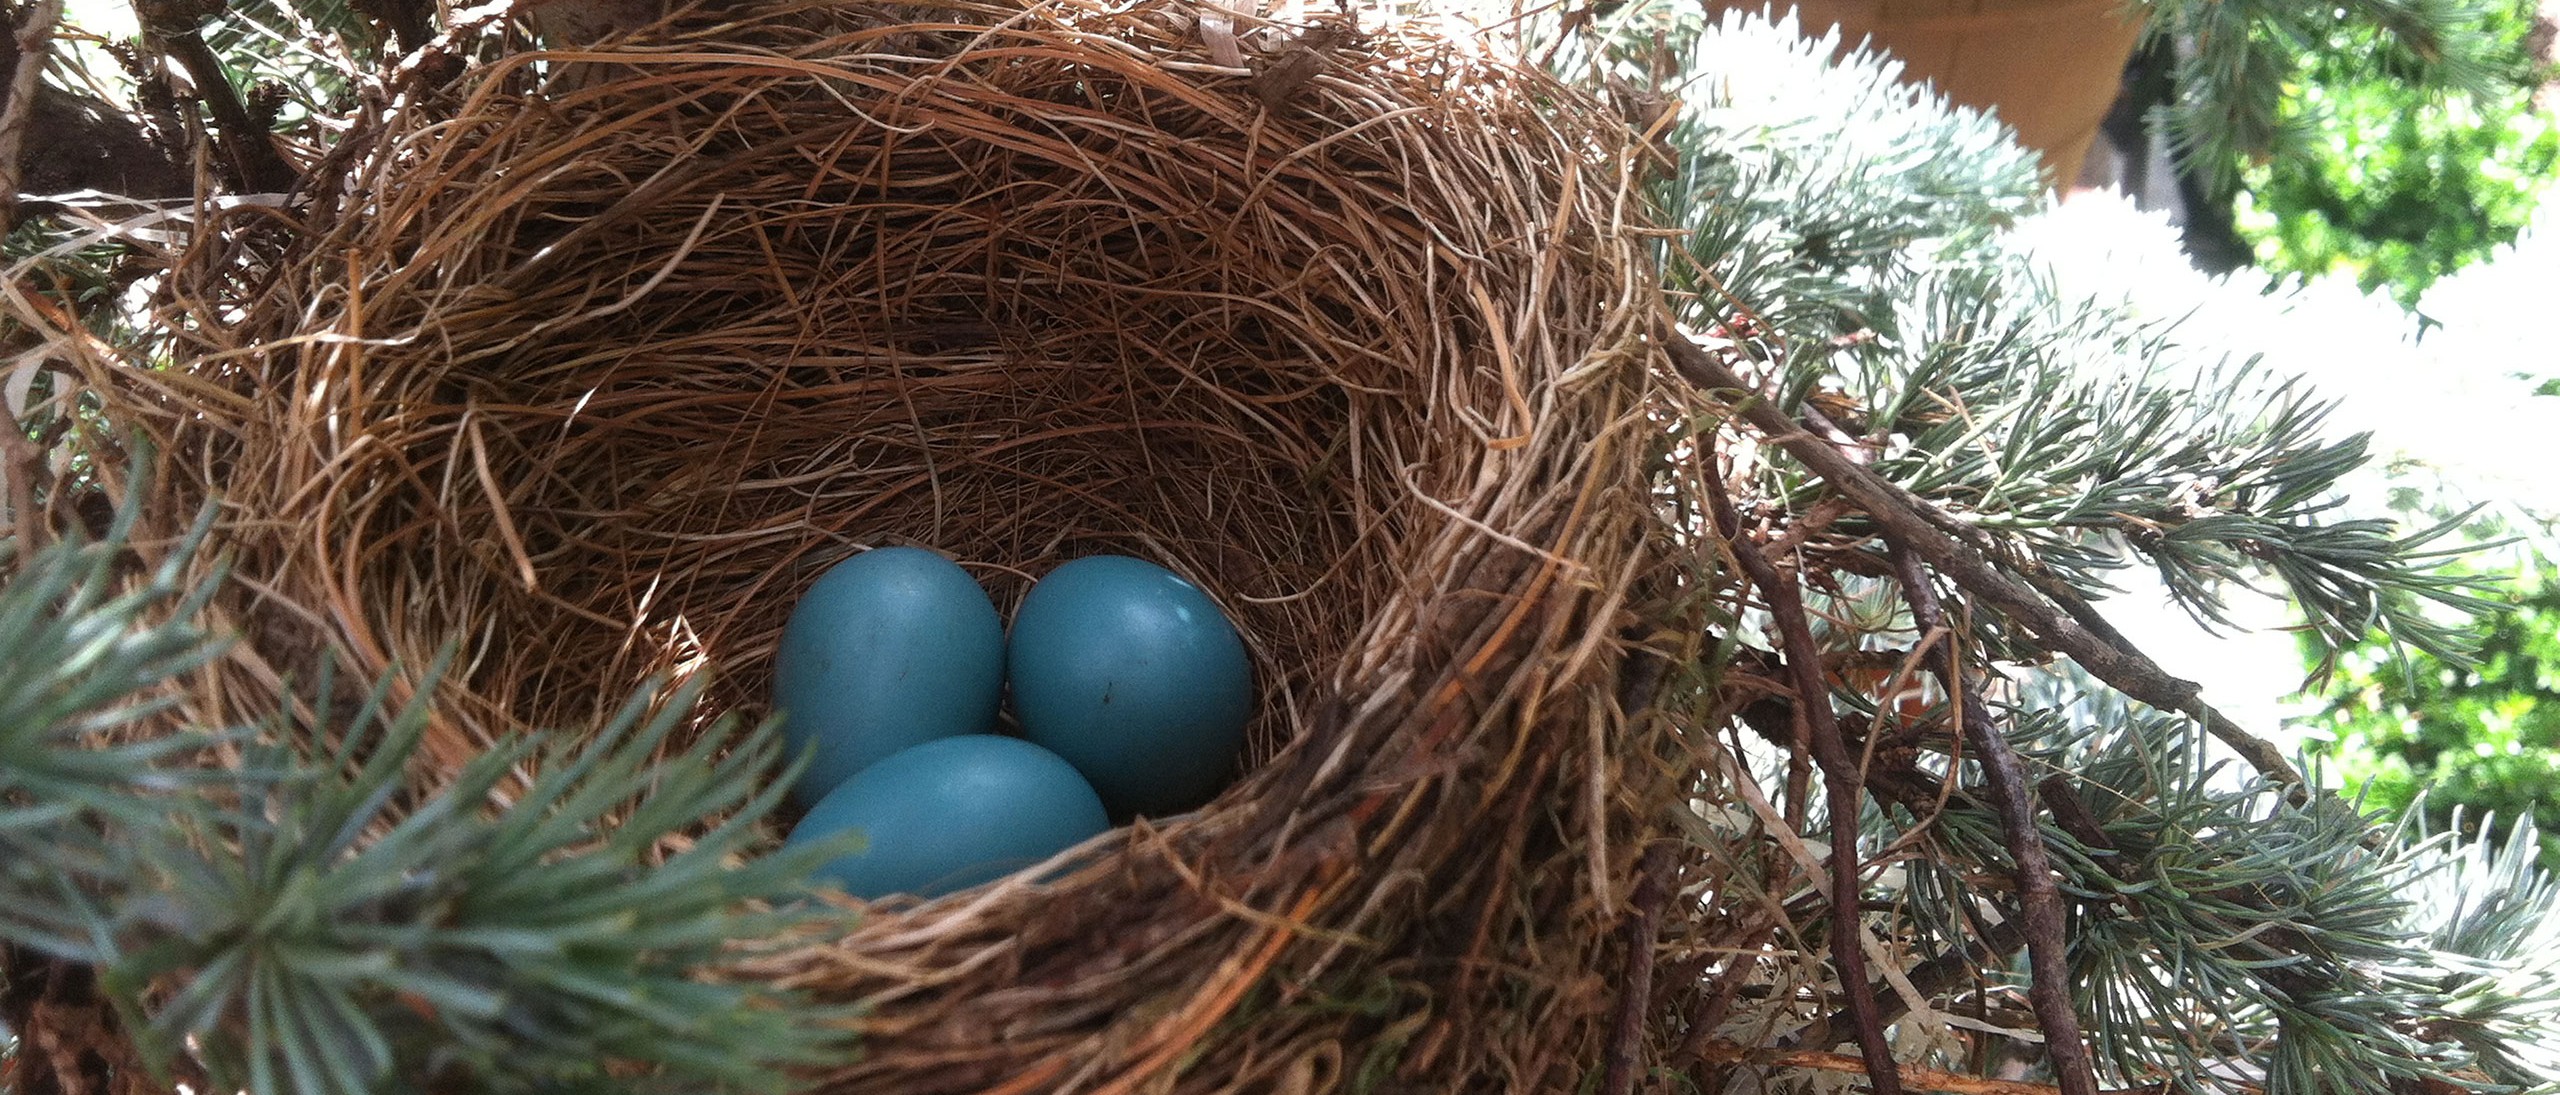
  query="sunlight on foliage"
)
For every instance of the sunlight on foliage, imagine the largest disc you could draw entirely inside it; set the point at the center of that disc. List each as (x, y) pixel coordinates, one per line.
(2394, 182)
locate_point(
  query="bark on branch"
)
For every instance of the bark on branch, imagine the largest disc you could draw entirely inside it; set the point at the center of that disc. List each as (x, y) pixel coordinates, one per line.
(2039, 903)
(1840, 782)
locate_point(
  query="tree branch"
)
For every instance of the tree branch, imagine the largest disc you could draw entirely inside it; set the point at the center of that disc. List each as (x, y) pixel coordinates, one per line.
(1839, 780)
(1901, 514)
(87, 144)
(172, 27)
(2039, 903)
(29, 48)
(252, 149)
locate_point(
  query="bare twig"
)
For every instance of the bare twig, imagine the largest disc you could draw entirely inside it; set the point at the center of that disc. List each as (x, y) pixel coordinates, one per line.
(1635, 1000)
(1922, 1079)
(30, 47)
(1902, 515)
(2039, 903)
(1840, 784)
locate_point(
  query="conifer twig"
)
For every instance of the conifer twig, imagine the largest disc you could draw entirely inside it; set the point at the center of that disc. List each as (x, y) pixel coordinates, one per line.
(2039, 903)
(1840, 782)
(2121, 666)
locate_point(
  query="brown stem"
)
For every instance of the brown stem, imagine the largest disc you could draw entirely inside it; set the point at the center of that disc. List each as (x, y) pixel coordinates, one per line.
(1635, 1000)
(1900, 514)
(1923, 1079)
(2039, 903)
(2075, 818)
(251, 147)
(22, 463)
(1840, 785)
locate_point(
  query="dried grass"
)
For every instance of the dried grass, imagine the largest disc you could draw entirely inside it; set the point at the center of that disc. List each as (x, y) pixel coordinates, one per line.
(594, 361)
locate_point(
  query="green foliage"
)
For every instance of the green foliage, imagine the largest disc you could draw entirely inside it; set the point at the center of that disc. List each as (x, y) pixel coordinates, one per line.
(302, 920)
(2475, 740)
(2240, 66)
(2397, 180)
(1846, 244)
(1861, 220)
(2225, 910)
(85, 658)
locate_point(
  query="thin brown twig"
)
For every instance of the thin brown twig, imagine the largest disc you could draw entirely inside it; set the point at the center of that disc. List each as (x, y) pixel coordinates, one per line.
(2039, 903)
(2075, 818)
(1727, 987)
(1901, 514)
(1840, 780)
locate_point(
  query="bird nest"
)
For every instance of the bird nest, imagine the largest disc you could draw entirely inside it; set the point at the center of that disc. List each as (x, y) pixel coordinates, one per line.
(590, 362)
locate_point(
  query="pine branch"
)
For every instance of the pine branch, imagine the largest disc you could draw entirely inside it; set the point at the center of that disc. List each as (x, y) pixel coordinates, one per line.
(1906, 386)
(1919, 1079)
(539, 944)
(305, 921)
(2123, 668)
(86, 659)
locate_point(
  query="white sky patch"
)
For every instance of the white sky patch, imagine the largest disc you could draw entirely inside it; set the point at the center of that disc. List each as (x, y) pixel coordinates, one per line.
(112, 18)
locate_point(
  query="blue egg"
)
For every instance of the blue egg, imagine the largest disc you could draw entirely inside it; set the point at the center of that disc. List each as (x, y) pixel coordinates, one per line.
(1135, 677)
(952, 813)
(888, 649)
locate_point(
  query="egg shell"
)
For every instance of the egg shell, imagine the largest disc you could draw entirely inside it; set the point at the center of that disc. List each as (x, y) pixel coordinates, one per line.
(1135, 677)
(950, 814)
(889, 649)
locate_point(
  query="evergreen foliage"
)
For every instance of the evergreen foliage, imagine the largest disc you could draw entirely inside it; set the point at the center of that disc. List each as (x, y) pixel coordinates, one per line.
(2240, 65)
(2226, 932)
(293, 921)
(2475, 739)
(2397, 180)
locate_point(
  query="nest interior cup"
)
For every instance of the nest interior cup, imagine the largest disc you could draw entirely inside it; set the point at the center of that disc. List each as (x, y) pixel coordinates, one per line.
(590, 365)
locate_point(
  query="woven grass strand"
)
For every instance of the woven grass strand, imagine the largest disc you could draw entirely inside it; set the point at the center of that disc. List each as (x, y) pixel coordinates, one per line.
(593, 376)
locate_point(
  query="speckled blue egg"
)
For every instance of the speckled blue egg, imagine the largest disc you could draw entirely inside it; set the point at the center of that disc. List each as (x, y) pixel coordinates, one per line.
(950, 814)
(888, 649)
(1134, 676)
